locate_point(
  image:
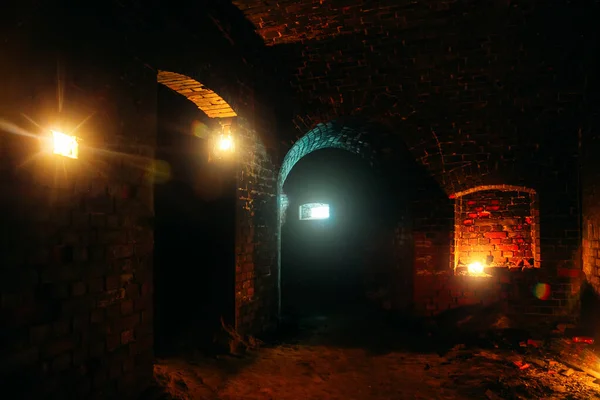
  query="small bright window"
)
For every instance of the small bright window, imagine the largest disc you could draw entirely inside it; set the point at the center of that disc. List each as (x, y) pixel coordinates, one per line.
(314, 211)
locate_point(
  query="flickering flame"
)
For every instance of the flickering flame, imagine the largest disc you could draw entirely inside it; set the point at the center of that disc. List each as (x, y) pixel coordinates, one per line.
(475, 268)
(65, 145)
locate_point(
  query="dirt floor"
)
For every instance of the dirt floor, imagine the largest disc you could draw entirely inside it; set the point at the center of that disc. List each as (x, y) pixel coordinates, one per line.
(365, 357)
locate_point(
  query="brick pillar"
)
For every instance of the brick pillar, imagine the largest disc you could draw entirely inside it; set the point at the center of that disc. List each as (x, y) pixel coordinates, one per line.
(256, 286)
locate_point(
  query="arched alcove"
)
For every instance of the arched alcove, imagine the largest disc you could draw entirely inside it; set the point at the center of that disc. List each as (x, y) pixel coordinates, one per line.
(496, 226)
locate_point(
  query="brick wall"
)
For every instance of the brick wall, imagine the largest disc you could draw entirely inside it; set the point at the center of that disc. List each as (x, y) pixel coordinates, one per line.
(433, 223)
(76, 235)
(212, 44)
(517, 293)
(453, 91)
(590, 176)
(404, 253)
(257, 275)
(496, 228)
(556, 253)
(591, 208)
(436, 293)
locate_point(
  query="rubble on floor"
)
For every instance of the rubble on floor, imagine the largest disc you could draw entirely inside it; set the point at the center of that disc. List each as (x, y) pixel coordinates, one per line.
(488, 360)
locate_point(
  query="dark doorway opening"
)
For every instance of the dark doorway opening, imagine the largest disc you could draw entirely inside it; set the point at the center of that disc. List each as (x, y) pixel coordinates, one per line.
(194, 232)
(331, 264)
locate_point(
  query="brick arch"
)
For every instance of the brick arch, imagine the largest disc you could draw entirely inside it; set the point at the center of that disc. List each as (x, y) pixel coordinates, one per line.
(213, 105)
(330, 135)
(505, 188)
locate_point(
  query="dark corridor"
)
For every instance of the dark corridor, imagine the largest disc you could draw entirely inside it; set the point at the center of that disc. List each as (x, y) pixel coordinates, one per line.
(194, 236)
(332, 264)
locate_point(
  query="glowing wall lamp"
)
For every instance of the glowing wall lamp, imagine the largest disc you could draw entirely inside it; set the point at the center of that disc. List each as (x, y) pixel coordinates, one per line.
(224, 141)
(65, 145)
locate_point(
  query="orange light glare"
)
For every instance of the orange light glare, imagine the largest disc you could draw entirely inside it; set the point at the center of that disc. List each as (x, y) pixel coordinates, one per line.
(65, 145)
(225, 143)
(475, 268)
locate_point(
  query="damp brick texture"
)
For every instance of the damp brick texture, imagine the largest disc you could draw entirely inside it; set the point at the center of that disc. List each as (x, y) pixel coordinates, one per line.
(76, 234)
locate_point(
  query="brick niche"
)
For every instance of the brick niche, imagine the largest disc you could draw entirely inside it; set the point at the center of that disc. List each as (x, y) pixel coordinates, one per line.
(496, 226)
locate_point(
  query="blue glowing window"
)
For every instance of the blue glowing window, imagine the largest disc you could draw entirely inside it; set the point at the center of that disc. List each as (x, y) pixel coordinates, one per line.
(314, 211)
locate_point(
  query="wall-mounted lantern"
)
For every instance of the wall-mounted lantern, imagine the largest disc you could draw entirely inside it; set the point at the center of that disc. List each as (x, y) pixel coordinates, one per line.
(65, 145)
(224, 141)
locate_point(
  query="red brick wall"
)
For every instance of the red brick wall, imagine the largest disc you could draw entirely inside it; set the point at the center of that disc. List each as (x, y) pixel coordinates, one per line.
(500, 223)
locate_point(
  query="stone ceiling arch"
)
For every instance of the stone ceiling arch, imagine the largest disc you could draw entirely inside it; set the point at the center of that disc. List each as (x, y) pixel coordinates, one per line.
(208, 101)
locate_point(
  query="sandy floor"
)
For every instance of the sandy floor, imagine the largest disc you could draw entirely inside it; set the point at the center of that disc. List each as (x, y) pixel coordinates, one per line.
(339, 358)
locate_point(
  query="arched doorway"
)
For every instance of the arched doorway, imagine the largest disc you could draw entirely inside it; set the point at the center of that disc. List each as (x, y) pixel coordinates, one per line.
(334, 235)
(358, 245)
(194, 219)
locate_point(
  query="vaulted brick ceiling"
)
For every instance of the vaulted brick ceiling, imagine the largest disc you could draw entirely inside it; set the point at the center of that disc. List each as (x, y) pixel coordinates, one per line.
(468, 85)
(290, 21)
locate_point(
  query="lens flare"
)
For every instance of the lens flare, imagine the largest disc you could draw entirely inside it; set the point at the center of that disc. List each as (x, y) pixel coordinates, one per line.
(200, 130)
(542, 291)
(161, 171)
